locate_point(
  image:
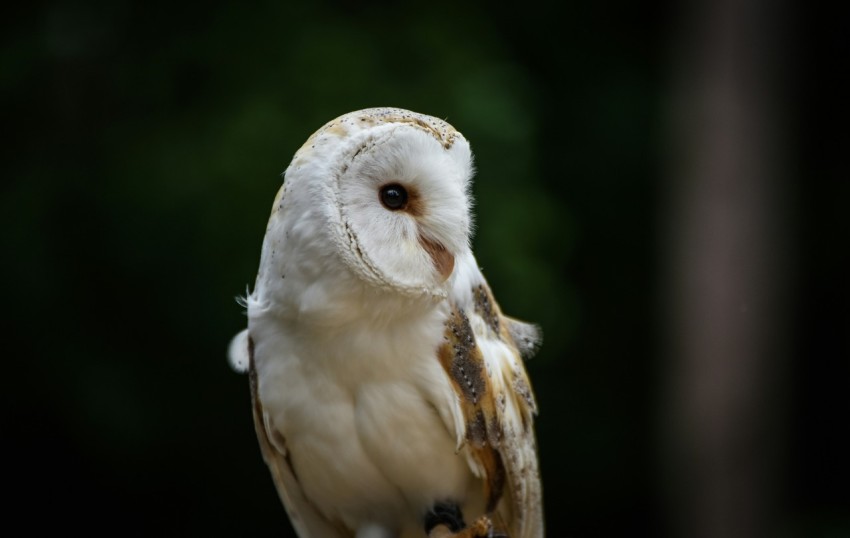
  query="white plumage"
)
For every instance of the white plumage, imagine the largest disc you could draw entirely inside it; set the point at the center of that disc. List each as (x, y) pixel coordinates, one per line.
(385, 378)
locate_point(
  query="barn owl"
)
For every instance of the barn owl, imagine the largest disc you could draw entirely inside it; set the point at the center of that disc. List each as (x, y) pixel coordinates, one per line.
(389, 393)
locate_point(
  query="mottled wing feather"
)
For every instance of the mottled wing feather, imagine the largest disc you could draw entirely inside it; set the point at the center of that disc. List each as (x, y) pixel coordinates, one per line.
(305, 518)
(526, 336)
(483, 360)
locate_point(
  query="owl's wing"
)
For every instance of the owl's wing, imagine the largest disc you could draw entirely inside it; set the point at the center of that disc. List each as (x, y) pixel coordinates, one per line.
(306, 519)
(482, 354)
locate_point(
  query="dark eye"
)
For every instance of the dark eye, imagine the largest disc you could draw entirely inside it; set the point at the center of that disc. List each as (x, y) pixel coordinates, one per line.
(393, 196)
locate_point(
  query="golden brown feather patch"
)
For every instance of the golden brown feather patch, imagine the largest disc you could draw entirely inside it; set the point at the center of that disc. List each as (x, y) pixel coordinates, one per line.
(497, 405)
(463, 362)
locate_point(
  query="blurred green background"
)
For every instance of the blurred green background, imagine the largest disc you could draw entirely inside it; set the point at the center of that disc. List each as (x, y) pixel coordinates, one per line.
(144, 143)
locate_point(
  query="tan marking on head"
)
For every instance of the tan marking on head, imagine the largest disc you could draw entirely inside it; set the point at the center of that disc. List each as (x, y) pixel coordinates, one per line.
(367, 120)
(443, 260)
(350, 123)
(441, 131)
(336, 128)
(444, 133)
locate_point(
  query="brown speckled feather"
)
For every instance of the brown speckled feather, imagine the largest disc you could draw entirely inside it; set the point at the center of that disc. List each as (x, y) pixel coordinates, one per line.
(483, 359)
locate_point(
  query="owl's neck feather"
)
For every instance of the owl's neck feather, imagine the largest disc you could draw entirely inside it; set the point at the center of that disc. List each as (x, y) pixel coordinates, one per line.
(375, 336)
(348, 318)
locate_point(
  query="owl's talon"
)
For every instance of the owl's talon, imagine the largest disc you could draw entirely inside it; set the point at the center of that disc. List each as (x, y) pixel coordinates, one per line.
(446, 515)
(481, 528)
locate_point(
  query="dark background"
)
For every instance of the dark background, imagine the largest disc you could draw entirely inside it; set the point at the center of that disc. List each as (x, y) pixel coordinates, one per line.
(143, 147)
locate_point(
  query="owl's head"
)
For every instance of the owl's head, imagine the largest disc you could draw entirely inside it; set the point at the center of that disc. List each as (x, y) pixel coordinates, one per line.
(386, 193)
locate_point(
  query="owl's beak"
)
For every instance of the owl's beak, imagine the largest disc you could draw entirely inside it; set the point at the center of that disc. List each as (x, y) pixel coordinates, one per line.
(444, 261)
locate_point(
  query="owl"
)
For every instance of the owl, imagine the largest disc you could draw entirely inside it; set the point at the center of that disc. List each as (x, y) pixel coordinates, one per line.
(389, 393)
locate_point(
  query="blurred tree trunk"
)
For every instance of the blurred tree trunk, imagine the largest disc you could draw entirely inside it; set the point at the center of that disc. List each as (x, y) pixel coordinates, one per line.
(725, 259)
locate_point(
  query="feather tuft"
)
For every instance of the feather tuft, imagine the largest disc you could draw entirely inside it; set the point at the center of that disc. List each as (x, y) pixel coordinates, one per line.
(238, 354)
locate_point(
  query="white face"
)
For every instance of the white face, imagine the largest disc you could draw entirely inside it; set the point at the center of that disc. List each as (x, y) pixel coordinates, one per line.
(393, 187)
(403, 195)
